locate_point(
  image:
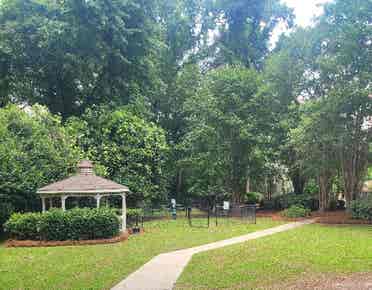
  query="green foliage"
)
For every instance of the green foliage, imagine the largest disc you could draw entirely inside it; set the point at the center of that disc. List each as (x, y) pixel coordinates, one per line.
(249, 25)
(285, 201)
(362, 208)
(6, 209)
(58, 225)
(253, 197)
(133, 213)
(296, 211)
(132, 150)
(70, 55)
(228, 131)
(35, 149)
(23, 226)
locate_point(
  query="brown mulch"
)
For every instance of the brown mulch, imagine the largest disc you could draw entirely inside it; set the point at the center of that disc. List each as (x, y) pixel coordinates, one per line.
(30, 243)
(331, 217)
(329, 281)
(276, 216)
(338, 217)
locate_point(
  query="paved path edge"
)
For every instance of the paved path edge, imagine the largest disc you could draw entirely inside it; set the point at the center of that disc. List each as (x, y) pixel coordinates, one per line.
(162, 271)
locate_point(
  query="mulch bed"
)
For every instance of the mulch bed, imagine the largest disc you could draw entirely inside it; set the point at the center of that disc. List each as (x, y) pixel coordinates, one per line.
(331, 217)
(30, 243)
(338, 217)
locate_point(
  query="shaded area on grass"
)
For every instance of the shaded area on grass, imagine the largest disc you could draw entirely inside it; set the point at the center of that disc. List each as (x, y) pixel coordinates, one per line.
(264, 262)
(102, 266)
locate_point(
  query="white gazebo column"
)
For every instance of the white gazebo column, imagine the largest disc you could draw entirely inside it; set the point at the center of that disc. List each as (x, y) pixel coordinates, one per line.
(98, 199)
(50, 202)
(124, 213)
(43, 204)
(63, 201)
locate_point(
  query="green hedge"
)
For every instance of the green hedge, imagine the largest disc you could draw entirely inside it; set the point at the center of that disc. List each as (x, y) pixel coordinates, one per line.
(296, 211)
(58, 225)
(253, 197)
(285, 201)
(362, 208)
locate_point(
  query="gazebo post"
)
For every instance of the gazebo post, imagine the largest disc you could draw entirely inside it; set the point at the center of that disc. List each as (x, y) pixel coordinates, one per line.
(124, 213)
(43, 204)
(50, 202)
(63, 201)
(98, 199)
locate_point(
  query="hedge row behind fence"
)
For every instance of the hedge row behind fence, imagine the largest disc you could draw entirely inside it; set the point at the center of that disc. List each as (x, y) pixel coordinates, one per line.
(285, 201)
(362, 208)
(58, 225)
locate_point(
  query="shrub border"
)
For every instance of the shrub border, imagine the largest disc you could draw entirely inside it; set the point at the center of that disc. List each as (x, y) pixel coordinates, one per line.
(30, 243)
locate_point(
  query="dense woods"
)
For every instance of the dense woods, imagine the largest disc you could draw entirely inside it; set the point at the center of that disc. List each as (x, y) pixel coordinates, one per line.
(185, 98)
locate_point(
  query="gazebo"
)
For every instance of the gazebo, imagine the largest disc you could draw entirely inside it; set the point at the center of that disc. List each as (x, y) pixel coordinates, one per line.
(84, 184)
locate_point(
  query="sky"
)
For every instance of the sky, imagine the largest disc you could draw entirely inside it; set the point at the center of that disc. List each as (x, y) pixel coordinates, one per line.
(304, 11)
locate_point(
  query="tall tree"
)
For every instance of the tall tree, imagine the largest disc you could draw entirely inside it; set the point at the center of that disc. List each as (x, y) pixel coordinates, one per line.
(71, 54)
(229, 118)
(244, 29)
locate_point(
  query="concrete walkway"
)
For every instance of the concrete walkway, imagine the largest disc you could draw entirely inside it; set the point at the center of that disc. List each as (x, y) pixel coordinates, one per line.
(162, 272)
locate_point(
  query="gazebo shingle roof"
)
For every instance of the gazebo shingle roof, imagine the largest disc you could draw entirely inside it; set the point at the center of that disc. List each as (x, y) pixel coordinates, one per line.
(84, 182)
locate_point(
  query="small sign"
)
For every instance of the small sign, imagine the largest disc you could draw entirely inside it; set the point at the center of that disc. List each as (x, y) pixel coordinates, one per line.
(173, 202)
(226, 205)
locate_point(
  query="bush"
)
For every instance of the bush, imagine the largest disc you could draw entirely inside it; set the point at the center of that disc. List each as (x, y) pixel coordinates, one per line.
(285, 201)
(362, 208)
(35, 149)
(134, 215)
(23, 226)
(253, 197)
(58, 225)
(296, 211)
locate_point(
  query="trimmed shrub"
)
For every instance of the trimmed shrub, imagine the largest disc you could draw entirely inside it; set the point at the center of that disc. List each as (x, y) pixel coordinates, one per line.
(133, 213)
(23, 226)
(58, 225)
(253, 197)
(362, 208)
(296, 211)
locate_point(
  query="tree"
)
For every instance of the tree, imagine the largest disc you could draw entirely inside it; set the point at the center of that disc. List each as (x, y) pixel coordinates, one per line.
(345, 35)
(288, 73)
(244, 29)
(69, 55)
(229, 120)
(131, 150)
(35, 149)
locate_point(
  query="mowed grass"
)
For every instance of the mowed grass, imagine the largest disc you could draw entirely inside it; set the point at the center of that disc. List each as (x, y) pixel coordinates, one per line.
(102, 266)
(295, 254)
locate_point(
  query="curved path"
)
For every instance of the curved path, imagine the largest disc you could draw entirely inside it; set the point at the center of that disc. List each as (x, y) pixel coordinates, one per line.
(162, 272)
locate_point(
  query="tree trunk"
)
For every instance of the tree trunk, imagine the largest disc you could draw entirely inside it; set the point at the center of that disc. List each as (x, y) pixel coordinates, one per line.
(354, 164)
(298, 181)
(325, 185)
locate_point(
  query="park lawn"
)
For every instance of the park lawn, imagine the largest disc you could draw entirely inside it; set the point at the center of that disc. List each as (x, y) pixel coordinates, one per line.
(102, 266)
(284, 257)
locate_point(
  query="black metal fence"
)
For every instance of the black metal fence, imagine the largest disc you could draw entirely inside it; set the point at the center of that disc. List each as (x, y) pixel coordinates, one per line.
(197, 214)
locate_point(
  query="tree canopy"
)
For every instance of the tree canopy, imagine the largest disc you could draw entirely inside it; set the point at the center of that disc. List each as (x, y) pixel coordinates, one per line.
(180, 98)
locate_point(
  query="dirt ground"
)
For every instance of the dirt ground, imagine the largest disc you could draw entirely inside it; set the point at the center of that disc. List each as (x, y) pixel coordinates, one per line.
(357, 281)
(331, 217)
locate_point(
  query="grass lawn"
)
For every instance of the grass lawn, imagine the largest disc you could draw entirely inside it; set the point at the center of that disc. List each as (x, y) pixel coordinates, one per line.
(102, 266)
(301, 253)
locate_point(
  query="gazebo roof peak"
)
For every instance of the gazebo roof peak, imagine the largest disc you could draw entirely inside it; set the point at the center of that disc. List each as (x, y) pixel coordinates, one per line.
(84, 182)
(85, 167)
